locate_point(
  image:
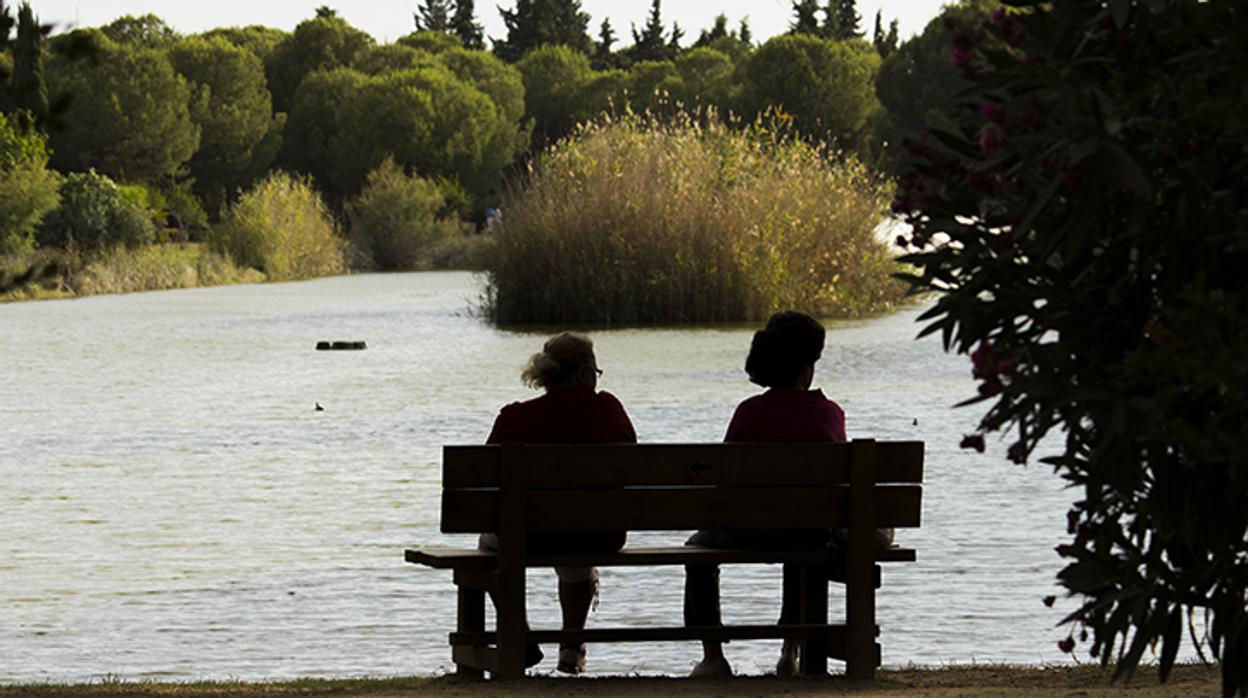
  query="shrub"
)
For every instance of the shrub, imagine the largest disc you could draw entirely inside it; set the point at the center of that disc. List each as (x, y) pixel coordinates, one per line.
(96, 213)
(282, 228)
(399, 218)
(28, 189)
(635, 221)
(1083, 220)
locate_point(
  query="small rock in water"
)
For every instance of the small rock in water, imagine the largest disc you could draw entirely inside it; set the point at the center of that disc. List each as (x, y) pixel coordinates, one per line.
(319, 408)
(340, 346)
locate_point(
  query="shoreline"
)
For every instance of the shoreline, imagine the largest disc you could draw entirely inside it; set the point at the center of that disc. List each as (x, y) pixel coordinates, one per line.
(941, 682)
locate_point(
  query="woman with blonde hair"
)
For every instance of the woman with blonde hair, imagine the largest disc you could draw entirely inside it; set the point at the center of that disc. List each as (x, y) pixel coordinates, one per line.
(571, 410)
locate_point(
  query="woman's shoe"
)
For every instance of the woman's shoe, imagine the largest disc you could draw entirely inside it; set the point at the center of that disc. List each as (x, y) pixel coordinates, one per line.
(571, 659)
(711, 669)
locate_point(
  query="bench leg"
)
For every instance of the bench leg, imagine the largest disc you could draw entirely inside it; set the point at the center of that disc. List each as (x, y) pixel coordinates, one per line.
(861, 654)
(814, 610)
(470, 617)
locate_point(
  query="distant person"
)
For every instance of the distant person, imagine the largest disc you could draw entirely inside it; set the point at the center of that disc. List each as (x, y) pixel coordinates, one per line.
(570, 411)
(782, 359)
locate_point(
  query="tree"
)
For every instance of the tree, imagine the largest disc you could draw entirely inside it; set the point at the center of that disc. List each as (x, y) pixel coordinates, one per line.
(717, 31)
(148, 31)
(261, 41)
(28, 90)
(743, 32)
(885, 43)
(805, 17)
(554, 77)
(313, 124)
(651, 43)
(433, 15)
(847, 19)
(1057, 220)
(130, 116)
(535, 23)
(603, 57)
(464, 25)
(95, 213)
(917, 83)
(706, 79)
(398, 218)
(321, 43)
(826, 86)
(231, 104)
(28, 189)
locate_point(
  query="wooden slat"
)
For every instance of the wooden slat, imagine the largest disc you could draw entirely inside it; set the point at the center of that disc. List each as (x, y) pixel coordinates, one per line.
(471, 558)
(617, 465)
(834, 633)
(680, 509)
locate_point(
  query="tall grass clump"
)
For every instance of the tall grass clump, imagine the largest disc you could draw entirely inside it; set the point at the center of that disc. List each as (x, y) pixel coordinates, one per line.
(638, 221)
(399, 220)
(282, 228)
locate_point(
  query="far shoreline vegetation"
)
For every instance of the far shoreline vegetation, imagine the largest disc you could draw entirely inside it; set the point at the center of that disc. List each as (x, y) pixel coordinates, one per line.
(136, 158)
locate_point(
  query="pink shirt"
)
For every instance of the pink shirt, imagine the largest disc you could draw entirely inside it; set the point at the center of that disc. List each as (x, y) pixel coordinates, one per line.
(787, 415)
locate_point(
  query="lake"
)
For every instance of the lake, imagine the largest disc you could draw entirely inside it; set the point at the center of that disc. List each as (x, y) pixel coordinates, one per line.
(173, 507)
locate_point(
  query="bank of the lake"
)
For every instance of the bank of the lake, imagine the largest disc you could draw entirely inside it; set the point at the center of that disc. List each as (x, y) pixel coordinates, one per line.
(963, 681)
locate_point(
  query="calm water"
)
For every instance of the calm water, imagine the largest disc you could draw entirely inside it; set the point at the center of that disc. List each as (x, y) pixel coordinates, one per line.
(172, 507)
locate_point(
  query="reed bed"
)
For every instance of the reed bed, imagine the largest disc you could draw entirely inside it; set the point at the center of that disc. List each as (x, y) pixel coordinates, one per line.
(642, 221)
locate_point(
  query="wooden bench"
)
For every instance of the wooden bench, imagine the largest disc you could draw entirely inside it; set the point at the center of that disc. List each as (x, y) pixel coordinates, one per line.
(512, 490)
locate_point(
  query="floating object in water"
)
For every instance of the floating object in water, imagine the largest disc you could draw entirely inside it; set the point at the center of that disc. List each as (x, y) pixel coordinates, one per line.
(340, 346)
(319, 408)
(916, 422)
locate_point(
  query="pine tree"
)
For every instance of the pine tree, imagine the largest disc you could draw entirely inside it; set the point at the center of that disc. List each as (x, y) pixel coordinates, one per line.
(603, 57)
(538, 22)
(744, 33)
(326, 12)
(464, 24)
(651, 44)
(847, 19)
(805, 17)
(29, 90)
(433, 16)
(884, 43)
(673, 41)
(718, 31)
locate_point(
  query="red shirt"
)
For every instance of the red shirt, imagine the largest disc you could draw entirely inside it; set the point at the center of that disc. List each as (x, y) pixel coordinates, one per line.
(787, 415)
(572, 415)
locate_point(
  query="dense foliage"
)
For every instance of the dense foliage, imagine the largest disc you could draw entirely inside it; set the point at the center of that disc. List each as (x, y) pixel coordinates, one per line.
(1084, 221)
(130, 114)
(399, 220)
(282, 228)
(28, 189)
(95, 213)
(635, 221)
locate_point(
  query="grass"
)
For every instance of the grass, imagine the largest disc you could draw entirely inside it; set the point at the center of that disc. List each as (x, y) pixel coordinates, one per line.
(121, 270)
(955, 680)
(640, 221)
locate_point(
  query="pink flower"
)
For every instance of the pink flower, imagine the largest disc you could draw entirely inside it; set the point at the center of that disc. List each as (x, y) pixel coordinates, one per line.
(990, 139)
(992, 111)
(1067, 645)
(961, 57)
(982, 360)
(1048, 601)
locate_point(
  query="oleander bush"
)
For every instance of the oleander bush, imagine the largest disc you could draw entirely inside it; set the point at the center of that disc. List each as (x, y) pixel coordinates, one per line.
(641, 221)
(282, 228)
(96, 213)
(399, 219)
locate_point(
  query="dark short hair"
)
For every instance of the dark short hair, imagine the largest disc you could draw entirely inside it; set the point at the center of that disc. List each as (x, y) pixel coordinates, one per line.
(790, 342)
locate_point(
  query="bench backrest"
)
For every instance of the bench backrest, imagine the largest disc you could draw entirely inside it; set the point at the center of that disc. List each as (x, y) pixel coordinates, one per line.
(604, 487)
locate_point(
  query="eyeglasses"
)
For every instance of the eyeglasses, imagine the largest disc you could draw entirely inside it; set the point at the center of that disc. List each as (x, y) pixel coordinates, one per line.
(598, 371)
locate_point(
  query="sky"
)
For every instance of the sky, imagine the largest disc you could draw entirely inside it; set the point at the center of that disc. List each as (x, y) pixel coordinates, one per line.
(387, 20)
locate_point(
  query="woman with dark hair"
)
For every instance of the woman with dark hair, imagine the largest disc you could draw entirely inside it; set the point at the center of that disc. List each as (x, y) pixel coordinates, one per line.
(570, 411)
(782, 359)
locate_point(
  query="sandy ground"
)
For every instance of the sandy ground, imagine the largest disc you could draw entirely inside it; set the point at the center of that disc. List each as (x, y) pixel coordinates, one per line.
(1090, 682)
